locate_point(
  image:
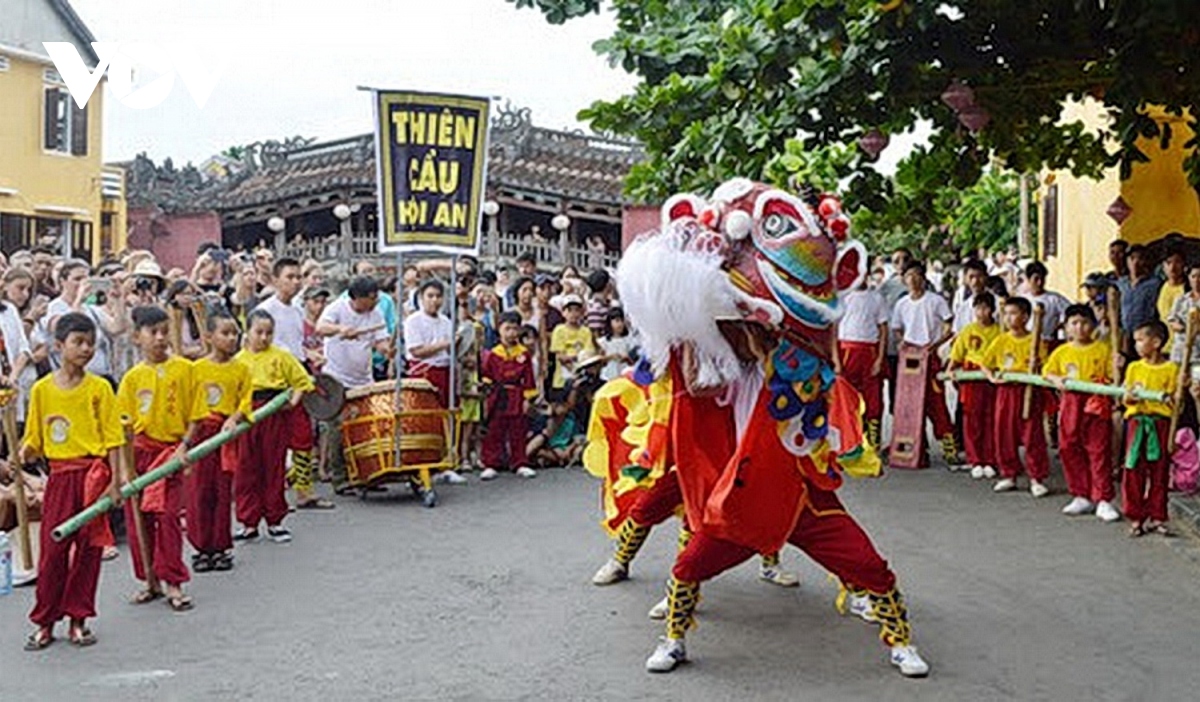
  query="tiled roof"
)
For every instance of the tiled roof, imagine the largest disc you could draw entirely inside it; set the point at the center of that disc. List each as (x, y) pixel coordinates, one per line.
(522, 158)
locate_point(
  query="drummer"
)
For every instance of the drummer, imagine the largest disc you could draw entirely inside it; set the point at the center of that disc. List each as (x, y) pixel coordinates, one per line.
(352, 327)
(427, 337)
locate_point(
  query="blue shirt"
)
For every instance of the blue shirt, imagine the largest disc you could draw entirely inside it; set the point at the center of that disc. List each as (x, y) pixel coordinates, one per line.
(1139, 303)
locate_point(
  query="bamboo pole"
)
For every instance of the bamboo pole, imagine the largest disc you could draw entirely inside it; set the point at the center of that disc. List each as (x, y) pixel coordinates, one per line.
(1181, 387)
(128, 469)
(175, 317)
(1034, 356)
(14, 462)
(1112, 299)
(140, 483)
(1071, 385)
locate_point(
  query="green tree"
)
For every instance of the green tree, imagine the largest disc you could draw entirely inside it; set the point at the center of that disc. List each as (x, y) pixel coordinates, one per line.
(725, 85)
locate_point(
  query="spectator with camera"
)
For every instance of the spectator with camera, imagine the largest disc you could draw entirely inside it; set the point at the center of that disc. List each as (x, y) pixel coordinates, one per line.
(109, 317)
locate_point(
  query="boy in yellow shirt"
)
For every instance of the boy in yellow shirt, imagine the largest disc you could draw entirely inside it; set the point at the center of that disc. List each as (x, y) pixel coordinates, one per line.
(1084, 421)
(1010, 352)
(156, 397)
(1147, 463)
(967, 353)
(262, 451)
(222, 395)
(72, 423)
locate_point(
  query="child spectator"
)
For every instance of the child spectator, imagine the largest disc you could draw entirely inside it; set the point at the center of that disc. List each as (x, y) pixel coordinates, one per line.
(977, 399)
(470, 341)
(156, 395)
(73, 425)
(599, 302)
(617, 345)
(569, 340)
(1147, 463)
(862, 349)
(508, 374)
(1084, 421)
(1010, 352)
(315, 300)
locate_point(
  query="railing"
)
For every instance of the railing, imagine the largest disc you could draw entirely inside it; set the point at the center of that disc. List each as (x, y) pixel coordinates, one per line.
(503, 246)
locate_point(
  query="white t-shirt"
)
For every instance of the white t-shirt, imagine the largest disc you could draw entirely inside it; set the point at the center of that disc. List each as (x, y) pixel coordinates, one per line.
(921, 320)
(616, 346)
(422, 330)
(349, 360)
(862, 313)
(101, 364)
(1054, 306)
(289, 325)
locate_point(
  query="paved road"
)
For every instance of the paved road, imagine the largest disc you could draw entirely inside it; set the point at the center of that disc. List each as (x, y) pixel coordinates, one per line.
(487, 597)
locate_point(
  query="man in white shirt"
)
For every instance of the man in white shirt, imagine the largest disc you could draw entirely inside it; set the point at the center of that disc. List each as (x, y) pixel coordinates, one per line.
(427, 337)
(974, 282)
(862, 346)
(352, 327)
(73, 281)
(922, 321)
(1054, 305)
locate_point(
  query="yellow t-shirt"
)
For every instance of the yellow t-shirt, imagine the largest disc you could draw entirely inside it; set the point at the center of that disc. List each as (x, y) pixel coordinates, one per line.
(158, 398)
(78, 423)
(566, 341)
(1167, 295)
(972, 343)
(1141, 375)
(1008, 353)
(275, 369)
(1091, 362)
(222, 388)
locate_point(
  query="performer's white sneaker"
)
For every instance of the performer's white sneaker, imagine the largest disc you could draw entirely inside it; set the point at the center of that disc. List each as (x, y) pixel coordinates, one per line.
(1037, 489)
(909, 662)
(1078, 506)
(860, 606)
(1004, 485)
(659, 611)
(1106, 512)
(778, 576)
(526, 472)
(989, 472)
(450, 476)
(977, 472)
(488, 474)
(611, 572)
(669, 654)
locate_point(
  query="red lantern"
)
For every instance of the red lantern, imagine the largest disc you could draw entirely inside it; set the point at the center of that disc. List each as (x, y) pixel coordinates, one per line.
(1119, 210)
(974, 117)
(873, 142)
(958, 96)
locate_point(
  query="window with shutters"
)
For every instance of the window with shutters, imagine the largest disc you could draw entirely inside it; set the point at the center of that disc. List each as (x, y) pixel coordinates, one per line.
(1050, 222)
(66, 126)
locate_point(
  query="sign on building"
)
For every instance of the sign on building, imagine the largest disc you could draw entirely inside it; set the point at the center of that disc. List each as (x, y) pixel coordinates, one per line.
(431, 152)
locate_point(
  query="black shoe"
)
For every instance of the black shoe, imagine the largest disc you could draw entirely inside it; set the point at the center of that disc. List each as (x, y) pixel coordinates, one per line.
(222, 561)
(202, 563)
(245, 534)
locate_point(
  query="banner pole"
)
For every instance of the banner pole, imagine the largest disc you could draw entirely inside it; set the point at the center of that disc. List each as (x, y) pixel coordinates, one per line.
(453, 397)
(398, 362)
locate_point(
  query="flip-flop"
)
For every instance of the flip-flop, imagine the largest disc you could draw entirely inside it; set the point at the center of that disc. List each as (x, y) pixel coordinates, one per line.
(179, 604)
(316, 503)
(82, 637)
(145, 597)
(39, 640)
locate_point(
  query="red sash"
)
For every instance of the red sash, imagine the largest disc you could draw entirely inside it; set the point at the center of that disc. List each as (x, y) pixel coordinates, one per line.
(209, 427)
(99, 476)
(154, 497)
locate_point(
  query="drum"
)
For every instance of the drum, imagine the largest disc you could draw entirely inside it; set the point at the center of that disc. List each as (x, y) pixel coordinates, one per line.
(369, 429)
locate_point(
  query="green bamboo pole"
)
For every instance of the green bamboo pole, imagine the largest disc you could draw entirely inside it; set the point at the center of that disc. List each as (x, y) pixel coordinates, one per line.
(141, 482)
(1072, 385)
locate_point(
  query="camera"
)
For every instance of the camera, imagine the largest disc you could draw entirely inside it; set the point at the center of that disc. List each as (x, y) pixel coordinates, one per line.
(145, 284)
(219, 255)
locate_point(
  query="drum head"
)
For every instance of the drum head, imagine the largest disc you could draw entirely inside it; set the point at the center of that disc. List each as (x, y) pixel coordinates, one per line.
(326, 401)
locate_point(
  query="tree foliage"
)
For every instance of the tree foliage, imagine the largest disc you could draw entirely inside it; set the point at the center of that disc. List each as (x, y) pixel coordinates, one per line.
(725, 85)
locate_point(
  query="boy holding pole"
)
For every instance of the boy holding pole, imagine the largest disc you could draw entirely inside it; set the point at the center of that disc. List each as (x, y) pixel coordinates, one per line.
(156, 396)
(1147, 457)
(977, 399)
(1011, 352)
(72, 423)
(222, 397)
(1084, 421)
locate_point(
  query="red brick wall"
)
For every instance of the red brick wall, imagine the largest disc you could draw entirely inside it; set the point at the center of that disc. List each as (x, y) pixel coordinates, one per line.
(637, 220)
(173, 238)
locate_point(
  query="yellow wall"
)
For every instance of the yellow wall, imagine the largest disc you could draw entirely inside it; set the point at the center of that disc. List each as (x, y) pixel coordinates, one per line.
(1157, 192)
(41, 177)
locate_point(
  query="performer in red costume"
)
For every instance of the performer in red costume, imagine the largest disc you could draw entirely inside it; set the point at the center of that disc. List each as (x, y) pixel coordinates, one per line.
(778, 427)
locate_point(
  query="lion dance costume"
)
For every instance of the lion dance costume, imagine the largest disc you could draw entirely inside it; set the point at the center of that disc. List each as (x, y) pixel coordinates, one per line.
(737, 413)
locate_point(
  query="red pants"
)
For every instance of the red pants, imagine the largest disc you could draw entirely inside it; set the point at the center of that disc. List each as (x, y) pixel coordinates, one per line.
(68, 571)
(824, 531)
(210, 500)
(300, 429)
(1144, 487)
(258, 485)
(164, 530)
(1012, 432)
(504, 444)
(858, 360)
(1085, 448)
(978, 402)
(439, 376)
(935, 399)
(659, 503)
